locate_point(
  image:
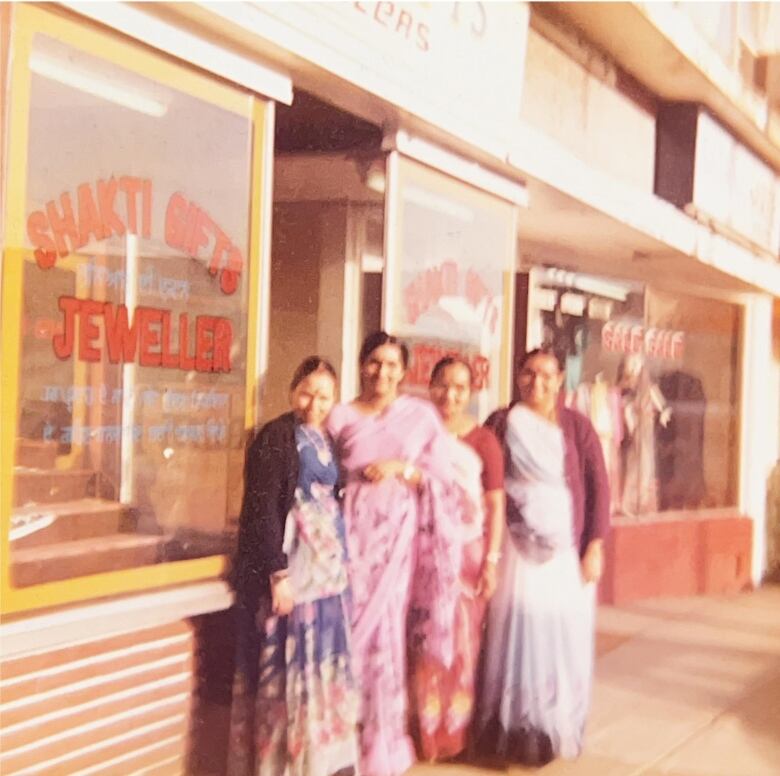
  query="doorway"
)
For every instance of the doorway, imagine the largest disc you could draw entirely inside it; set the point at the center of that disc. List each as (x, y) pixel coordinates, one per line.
(327, 250)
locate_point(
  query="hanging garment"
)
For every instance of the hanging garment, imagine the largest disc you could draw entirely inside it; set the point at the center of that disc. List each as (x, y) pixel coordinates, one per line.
(681, 443)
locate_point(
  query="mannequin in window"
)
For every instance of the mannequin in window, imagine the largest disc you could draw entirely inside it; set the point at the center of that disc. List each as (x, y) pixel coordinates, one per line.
(575, 357)
(602, 403)
(643, 406)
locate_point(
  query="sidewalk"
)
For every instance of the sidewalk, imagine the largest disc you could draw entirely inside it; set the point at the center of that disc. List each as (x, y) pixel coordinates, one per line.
(683, 688)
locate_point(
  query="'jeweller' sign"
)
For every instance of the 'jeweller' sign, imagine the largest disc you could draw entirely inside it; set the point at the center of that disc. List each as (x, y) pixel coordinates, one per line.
(97, 329)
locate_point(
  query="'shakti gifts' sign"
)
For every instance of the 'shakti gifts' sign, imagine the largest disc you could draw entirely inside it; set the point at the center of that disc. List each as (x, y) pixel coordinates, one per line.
(150, 336)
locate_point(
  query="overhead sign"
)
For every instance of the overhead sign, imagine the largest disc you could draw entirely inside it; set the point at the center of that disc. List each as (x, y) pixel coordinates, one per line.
(734, 186)
(701, 164)
(456, 65)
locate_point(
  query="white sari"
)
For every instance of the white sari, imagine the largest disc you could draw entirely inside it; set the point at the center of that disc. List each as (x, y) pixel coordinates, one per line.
(538, 662)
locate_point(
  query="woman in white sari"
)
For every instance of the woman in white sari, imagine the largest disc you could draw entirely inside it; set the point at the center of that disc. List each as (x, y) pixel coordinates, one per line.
(538, 661)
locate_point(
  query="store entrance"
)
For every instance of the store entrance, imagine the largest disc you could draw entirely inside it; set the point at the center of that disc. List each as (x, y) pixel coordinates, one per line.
(327, 253)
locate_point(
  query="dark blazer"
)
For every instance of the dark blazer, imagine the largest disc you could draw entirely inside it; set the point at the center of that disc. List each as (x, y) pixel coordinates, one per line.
(270, 478)
(586, 473)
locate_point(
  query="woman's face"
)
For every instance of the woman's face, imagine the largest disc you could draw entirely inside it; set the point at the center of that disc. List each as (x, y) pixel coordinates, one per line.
(451, 391)
(382, 371)
(539, 381)
(313, 398)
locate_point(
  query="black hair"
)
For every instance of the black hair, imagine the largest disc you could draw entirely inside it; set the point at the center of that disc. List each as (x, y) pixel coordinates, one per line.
(308, 367)
(376, 340)
(543, 351)
(448, 361)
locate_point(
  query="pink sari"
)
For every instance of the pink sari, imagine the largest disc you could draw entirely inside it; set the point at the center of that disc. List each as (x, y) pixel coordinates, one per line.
(443, 697)
(404, 551)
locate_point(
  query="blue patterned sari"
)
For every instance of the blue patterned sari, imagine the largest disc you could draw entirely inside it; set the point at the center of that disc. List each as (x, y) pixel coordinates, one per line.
(295, 703)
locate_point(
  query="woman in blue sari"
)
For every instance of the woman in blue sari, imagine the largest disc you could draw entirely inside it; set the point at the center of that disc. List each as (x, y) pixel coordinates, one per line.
(294, 700)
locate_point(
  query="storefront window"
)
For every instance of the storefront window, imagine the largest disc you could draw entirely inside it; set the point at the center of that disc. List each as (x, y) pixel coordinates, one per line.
(455, 251)
(135, 292)
(657, 375)
(698, 448)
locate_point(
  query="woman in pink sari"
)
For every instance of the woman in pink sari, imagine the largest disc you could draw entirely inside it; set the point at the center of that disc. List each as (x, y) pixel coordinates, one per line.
(402, 510)
(443, 698)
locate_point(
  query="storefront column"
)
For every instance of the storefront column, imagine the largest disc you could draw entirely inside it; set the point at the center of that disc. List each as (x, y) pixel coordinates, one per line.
(759, 437)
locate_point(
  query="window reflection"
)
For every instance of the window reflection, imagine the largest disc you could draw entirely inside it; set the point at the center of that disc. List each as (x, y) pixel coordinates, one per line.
(657, 375)
(133, 356)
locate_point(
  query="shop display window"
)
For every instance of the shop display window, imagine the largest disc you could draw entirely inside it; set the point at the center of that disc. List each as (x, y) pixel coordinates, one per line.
(449, 294)
(133, 269)
(657, 374)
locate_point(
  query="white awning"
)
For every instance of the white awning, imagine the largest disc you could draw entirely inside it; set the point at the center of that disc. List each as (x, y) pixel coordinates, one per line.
(196, 49)
(581, 218)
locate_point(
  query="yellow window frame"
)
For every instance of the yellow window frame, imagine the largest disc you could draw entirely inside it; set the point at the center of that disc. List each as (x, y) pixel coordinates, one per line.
(26, 22)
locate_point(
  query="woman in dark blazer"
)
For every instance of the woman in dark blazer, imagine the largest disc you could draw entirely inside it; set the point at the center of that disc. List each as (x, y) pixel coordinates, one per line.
(294, 700)
(538, 656)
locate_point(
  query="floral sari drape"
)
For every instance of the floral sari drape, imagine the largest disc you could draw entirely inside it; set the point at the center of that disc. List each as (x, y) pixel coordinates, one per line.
(443, 697)
(294, 698)
(404, 546)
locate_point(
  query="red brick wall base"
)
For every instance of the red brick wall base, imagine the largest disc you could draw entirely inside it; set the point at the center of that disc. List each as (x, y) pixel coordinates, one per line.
(690, 555)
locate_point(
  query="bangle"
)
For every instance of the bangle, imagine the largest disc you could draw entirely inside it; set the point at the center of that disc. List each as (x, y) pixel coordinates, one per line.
(493, 557)
(408, 472)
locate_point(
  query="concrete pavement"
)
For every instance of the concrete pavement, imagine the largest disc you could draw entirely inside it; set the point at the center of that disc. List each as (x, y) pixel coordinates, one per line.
(687, 687)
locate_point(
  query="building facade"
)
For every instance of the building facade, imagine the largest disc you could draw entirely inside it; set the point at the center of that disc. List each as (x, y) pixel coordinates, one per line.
(196, 196)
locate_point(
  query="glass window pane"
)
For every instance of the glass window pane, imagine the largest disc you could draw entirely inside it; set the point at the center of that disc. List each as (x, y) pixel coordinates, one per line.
(455, 248)
(133, 358)
(698, 448)
(657, 374)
